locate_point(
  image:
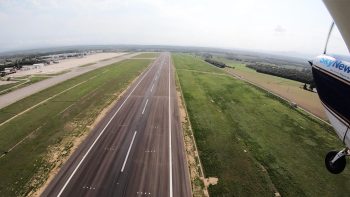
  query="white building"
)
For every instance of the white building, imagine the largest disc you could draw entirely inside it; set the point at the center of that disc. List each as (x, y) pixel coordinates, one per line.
(38, 66)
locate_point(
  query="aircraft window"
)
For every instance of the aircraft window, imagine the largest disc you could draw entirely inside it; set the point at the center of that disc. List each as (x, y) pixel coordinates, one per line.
(336, 98)
(337, 47)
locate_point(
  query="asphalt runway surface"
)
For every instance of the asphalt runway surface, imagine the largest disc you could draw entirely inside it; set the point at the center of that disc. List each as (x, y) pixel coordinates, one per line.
(16, 95)
(137, 149)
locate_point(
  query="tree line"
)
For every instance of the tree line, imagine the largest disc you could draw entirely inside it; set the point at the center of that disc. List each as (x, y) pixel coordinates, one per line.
(304, 75)
(216, 63)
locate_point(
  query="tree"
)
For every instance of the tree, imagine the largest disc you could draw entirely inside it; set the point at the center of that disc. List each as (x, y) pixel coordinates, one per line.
(305, 87)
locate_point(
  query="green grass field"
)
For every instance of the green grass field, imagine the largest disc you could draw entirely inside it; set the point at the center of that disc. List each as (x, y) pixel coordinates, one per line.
(288, 89)
(66, 115)
(147, 55)
(6, 86)
(195, 64)
(255, 144)
(274, 79)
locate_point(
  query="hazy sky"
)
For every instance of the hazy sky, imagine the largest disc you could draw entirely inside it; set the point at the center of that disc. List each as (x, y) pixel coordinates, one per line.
(262, 25)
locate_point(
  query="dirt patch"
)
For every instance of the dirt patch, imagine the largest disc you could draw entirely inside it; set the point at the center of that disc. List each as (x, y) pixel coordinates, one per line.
(183, 115)
(210, 181)
(277, 194)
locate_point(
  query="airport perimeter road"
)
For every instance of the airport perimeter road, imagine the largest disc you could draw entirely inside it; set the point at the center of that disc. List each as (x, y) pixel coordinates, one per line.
(137, 149)
(16, 95)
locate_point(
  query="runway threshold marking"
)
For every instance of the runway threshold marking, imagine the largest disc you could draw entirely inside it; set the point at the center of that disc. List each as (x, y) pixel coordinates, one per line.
(127, 154)
(170, 151)
(98, 137)
(143, 111)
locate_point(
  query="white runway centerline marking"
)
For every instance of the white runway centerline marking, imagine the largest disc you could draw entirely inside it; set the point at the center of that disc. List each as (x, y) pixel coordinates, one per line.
(127, 155)
(170, 152)
(143, 111)
(103, 130)
(152, 87)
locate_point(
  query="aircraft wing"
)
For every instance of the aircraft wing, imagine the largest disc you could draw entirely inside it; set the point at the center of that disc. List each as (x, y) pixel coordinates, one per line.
(340, 11)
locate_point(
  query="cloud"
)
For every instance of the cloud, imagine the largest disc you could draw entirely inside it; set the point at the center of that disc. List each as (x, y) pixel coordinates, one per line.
(31, 23)
(280, 30)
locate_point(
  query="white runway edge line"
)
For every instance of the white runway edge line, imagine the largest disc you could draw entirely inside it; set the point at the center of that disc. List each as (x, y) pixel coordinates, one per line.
(127, 154)
(143, 111)
(170, 152)
(98, 137)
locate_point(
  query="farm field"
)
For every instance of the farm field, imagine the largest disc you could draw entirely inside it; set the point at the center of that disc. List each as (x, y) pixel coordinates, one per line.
(289, 89)
(40, 130)
(254, 143)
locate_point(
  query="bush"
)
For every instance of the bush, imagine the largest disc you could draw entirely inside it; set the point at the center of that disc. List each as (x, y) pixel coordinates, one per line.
(216, 63)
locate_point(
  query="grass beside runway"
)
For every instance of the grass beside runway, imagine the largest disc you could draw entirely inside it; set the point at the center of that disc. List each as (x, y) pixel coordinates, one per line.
(20, 84)
(9, 85)
(50, 128)
(255, 144)
(289, 89)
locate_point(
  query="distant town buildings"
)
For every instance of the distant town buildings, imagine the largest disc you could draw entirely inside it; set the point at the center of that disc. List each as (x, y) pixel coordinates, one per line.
(10, 65)
(34, 66)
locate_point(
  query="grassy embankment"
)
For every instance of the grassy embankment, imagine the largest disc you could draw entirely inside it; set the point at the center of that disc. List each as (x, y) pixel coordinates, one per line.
(49, 129)
(289, 89)
(254, 143)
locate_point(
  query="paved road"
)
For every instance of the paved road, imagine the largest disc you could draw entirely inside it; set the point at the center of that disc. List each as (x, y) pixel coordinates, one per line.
(16, 95)
(137, 149)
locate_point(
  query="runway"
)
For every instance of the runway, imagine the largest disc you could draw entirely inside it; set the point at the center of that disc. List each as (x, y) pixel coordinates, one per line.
(137, 149)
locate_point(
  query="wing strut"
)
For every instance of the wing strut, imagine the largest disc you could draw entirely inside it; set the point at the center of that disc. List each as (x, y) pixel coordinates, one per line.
(329, 35)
